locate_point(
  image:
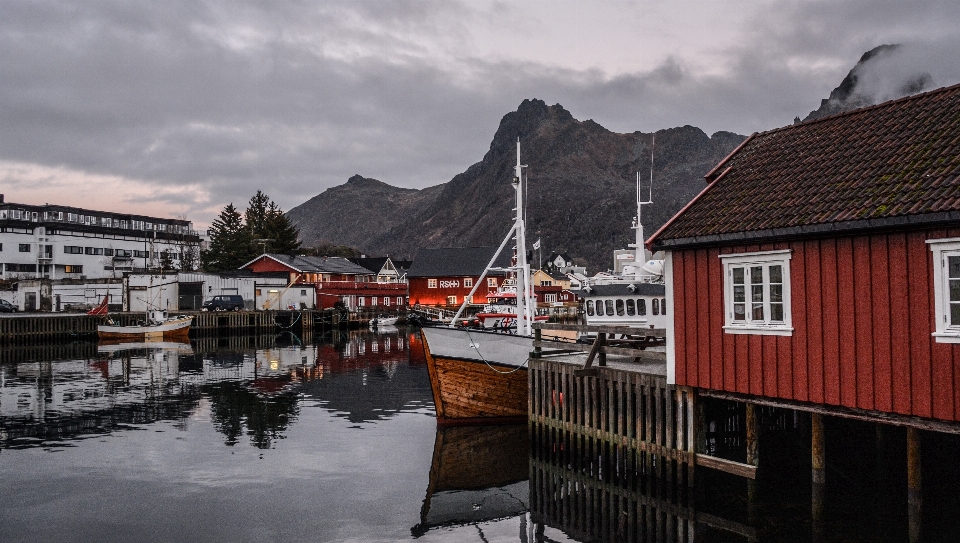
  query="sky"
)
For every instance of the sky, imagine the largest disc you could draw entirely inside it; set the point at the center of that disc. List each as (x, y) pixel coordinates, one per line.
(177, 108)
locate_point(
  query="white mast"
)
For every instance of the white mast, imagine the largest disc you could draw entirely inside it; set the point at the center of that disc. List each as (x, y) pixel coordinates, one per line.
(524, 304)
(640, 257)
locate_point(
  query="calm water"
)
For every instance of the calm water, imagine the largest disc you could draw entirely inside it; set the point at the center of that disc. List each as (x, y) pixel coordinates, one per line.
(266, 439)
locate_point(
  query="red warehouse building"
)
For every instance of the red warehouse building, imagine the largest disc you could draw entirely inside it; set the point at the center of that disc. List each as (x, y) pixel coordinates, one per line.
(821, 266)
(443, 277)
(334, 279)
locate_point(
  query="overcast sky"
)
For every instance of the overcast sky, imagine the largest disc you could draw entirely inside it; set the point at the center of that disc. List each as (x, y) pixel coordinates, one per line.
(178, 107)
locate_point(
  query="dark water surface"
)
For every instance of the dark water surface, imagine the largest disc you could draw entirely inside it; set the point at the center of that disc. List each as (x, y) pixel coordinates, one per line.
(267, 439)
(327, 442)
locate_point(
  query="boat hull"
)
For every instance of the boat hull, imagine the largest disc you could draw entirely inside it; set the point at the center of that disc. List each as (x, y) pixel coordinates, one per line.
(174, 329)
(477, 378)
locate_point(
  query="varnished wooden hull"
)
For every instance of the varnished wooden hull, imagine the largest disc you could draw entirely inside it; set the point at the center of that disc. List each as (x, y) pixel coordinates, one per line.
(475, 391)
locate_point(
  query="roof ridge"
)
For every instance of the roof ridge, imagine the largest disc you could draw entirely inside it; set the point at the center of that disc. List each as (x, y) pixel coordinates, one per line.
(861, 110)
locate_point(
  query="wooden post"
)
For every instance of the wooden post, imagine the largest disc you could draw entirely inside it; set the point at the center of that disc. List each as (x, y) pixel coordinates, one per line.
(818, 461)
(753, 458)
(914, 485)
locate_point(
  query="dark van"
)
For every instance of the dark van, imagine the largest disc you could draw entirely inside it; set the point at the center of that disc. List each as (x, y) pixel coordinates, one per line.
(226, 302)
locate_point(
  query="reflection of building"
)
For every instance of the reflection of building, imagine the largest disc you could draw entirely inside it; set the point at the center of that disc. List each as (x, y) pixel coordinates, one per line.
(61, 242)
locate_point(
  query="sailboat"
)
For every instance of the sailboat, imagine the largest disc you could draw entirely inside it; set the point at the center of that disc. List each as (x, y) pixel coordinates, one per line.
(480, 377)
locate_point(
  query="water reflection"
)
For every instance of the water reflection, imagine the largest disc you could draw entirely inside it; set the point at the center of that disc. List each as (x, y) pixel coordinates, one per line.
(478, 474)
(253, 391)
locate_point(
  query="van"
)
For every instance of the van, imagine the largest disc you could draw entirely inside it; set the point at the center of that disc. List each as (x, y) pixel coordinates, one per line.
(225, 302)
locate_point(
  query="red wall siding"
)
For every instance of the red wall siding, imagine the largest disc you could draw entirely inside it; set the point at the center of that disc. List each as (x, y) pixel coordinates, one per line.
(863, 314)
(421, 294)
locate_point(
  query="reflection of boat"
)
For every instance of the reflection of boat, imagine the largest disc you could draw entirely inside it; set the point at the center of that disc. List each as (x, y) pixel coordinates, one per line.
(478, 474)
(480, 377)
(157, 326)
(115, 346)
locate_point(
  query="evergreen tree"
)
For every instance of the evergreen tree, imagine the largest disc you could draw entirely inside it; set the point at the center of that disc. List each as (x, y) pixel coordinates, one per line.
(265, 220)
(230, 245)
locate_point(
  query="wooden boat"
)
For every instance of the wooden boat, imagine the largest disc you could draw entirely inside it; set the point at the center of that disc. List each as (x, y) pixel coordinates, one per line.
(478, 474)
(383, 320)
(156, 327)
(481, 377)
(477, 377)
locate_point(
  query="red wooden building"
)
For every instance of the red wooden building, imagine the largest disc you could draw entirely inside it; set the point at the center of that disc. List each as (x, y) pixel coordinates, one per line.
(821, 264)
(333, 279)
(443, 277)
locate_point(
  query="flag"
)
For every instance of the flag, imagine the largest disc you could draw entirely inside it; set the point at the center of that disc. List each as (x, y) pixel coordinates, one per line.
(536, 245)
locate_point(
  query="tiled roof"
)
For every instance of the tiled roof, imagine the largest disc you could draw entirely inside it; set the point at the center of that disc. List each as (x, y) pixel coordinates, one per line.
(319, 264)
(460, 261)
(892, 163)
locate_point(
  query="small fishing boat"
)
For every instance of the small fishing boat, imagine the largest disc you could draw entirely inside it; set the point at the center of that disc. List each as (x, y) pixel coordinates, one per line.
(158, 325)
(383, 320)
(500, 313)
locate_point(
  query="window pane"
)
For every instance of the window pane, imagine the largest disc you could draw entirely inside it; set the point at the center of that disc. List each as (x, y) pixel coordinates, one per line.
(955, 290)
(631, 307)
(609, 306)
(776, 274)
(756, 293)
(953, 263)
(737, 276)
(955, 314)
(590, 308)
(739, 293)
(663, 306)
(757, 312)
(776, 312)
(641, 307)
(756, 275)
(620, 307)
(656, 306)
(739, 312)
(776, 293)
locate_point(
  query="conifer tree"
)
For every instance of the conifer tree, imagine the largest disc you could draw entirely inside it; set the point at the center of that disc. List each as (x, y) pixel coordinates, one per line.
(265, 220)
(230, 245)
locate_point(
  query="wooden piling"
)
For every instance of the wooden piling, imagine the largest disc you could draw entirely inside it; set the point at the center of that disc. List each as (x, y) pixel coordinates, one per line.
(914, 486)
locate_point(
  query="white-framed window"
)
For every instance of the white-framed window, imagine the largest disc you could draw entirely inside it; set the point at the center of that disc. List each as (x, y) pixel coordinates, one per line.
(946, 289)
(468, 299)
(451, 300)
(386, 300)
(756, 293)
(431, 283)
(468, 282)
(492, 282)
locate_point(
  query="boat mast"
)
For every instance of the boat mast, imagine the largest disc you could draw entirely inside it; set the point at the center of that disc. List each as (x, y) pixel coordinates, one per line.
(524, 304)
(640, 257)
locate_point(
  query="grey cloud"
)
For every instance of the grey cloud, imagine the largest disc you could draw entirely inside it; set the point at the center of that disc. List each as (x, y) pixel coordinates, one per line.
(294, 97)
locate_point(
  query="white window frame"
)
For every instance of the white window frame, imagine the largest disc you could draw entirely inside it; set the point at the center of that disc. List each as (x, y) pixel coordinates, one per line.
(468, 282)
(943, 248)
(764, 259)
(431, 283)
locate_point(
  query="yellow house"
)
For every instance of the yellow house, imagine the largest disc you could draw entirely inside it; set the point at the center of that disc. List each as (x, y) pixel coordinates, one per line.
(540, 278)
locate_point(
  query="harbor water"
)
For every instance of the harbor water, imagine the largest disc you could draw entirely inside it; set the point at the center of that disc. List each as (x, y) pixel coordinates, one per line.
(270, 439)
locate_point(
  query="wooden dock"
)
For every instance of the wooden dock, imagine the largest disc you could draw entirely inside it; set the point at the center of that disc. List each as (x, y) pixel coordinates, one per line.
(28, 329)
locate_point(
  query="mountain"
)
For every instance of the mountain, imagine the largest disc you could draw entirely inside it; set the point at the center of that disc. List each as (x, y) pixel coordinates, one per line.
(580, 195)
(878, 76)
(353, 213)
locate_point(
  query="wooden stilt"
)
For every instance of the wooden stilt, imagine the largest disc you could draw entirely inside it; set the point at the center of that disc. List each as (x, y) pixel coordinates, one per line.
(818, 461)
(914, 485)
(753, 457)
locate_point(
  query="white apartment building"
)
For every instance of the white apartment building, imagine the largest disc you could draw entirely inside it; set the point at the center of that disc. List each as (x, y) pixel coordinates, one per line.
(62, 242)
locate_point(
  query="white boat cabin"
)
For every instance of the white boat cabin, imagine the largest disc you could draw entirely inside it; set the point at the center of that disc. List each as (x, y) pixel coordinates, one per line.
(625, 304)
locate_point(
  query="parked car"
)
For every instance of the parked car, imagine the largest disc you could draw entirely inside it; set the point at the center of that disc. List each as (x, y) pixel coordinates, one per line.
(7, 307)
(226, 302)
